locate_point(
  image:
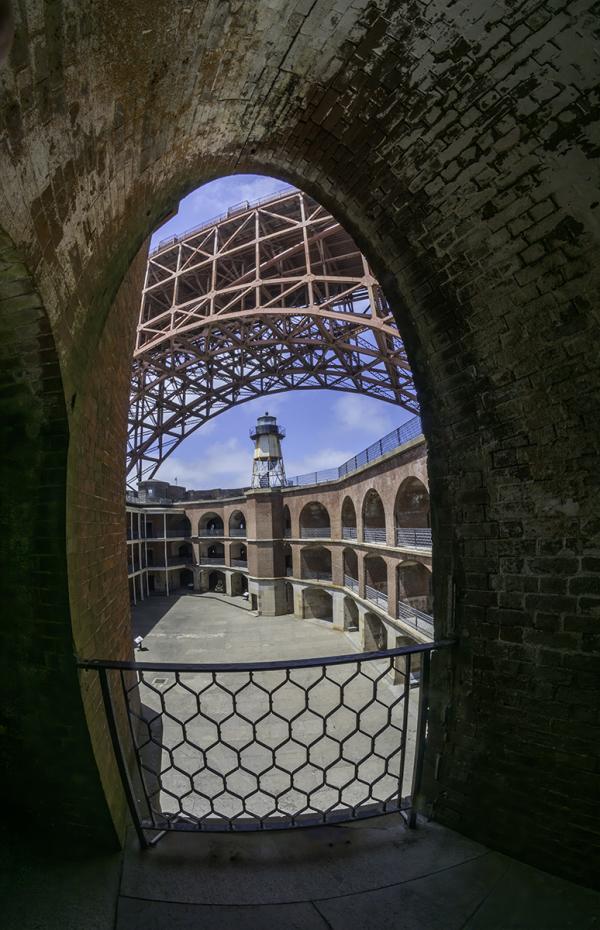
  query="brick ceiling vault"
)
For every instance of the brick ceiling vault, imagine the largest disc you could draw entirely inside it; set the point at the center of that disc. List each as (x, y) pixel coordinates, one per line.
(269, 298)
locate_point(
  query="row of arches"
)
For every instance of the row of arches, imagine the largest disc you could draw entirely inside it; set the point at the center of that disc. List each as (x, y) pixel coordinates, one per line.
(212, 524)
(411, 517)
(413, 580)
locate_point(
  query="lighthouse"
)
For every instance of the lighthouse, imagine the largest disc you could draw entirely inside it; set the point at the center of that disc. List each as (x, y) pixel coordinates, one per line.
(267, 465)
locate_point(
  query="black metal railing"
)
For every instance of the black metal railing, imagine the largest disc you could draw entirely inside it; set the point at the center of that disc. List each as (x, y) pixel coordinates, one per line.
(417, 618)
(414, 537)
(268, 745)
(376, 597)
(315, 532)
(410, 430)
(375, 534)
(212, 531)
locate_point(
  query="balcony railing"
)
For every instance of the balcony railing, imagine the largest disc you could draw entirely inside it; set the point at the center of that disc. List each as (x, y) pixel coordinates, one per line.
(409, 430)
(315, 532)
(240, 563)
(348, 532)
(278, 744)
(315, 575)
(237, 531)
(374, 534)
(350, 582)
(212, 531)
(414, 538)
(376, 597)
(416, 618)
(212, 560)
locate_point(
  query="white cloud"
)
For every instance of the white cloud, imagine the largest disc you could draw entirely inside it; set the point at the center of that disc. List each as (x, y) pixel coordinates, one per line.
(355, 412)
(226, 464)
(316, 461)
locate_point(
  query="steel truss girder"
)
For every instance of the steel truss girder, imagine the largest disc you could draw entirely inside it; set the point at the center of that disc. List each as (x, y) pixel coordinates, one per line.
(275, 297)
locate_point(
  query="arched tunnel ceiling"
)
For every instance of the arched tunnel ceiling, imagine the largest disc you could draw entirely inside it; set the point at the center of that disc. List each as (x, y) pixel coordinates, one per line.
(268, 298)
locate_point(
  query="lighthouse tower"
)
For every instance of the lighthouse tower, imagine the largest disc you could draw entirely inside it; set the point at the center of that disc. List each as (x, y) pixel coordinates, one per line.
(267, 464)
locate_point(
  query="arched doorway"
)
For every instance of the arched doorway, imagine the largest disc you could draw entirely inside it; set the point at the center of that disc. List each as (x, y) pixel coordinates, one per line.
(350, 615)
(375, 635)
(216, 582)
(317, 604)
(239, 584)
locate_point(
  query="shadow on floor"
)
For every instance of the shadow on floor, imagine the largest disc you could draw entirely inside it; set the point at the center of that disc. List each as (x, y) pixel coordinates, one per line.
(363, 876)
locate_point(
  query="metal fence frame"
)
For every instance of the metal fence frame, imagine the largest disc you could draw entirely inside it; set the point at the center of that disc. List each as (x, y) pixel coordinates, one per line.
(127, 751)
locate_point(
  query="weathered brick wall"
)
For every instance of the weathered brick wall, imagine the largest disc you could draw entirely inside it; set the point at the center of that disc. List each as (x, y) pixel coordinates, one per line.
(456, 141)
(47, 769)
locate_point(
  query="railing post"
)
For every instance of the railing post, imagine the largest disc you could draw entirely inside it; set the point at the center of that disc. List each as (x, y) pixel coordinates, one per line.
(420, 737)
(119, 756)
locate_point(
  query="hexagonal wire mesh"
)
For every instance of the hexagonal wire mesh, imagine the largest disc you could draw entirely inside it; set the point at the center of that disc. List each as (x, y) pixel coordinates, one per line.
(269, 744)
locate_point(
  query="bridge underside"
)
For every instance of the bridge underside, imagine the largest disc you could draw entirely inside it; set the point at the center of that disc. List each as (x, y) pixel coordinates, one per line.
(272, 297)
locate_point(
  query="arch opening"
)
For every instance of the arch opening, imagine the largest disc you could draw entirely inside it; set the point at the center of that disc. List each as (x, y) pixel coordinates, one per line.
(317, 604)
(237, 523)
(376, 580)
(373, 514)
(412, 514)
(350, 566)
(211, 524)
(315, 563)
(348, 519)
(314, 521)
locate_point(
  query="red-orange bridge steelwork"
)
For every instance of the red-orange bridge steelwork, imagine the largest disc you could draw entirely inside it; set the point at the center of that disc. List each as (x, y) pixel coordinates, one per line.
(275, 296)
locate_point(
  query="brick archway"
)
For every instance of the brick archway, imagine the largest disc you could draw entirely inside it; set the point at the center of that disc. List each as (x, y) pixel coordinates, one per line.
(455, 172)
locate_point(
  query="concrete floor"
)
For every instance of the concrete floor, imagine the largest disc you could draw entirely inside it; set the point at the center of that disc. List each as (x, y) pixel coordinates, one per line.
(365, 876)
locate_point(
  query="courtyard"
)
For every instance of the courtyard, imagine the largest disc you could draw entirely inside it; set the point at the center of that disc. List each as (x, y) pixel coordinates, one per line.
(225, 747)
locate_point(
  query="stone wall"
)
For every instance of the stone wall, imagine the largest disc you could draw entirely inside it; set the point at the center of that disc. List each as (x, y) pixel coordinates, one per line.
(456, 141)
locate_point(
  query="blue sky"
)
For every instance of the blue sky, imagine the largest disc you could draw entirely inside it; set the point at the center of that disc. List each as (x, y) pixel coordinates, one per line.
(324, 428)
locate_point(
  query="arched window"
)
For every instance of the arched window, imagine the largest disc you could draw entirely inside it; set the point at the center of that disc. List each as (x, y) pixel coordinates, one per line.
(314, 521)
(412, 514)
(373, 518)
(348, 519)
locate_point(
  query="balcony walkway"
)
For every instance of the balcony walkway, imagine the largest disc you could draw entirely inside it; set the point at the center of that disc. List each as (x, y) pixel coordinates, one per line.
(360, 876)
(346, 877)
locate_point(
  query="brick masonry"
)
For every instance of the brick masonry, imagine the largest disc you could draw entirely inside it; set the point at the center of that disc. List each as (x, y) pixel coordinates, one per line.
(458, 143)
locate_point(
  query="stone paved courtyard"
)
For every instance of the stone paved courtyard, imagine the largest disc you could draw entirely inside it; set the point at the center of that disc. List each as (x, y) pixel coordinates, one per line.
(271, 743)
